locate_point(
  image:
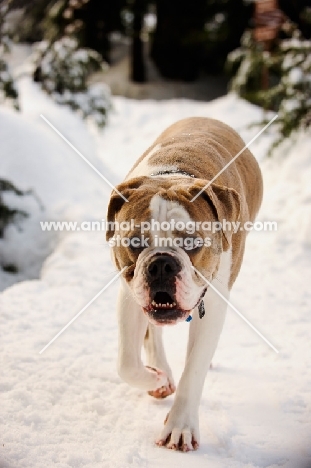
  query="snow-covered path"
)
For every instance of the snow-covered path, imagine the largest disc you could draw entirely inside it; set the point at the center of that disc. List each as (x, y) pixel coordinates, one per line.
(67, 407)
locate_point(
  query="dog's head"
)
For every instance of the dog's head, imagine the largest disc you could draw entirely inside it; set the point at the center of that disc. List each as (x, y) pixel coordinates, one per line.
(159, 235)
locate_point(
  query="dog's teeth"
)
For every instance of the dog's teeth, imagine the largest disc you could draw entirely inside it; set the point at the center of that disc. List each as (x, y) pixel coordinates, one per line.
(168, 304)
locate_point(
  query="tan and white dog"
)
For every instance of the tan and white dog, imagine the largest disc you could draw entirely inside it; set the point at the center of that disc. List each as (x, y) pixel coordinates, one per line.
(159, 284)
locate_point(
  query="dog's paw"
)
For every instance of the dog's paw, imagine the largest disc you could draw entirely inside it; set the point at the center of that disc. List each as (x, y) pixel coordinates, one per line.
(180, 433)
(165, 385)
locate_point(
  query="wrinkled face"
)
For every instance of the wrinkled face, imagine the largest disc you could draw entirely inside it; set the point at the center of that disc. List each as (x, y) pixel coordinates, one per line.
(159, 236)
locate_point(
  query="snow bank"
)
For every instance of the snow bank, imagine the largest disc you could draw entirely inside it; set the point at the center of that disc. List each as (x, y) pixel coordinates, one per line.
(35, 158)
(67, 407)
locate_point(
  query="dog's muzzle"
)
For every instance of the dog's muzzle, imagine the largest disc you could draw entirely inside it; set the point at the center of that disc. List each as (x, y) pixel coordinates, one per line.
(162, 268)
(161, 273)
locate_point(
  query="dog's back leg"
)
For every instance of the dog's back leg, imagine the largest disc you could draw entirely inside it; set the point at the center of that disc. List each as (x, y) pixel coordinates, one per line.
(156, 359)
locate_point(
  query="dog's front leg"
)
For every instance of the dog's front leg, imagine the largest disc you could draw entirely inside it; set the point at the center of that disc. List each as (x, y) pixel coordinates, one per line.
(181, 430)
(156, 358)
(132, 330)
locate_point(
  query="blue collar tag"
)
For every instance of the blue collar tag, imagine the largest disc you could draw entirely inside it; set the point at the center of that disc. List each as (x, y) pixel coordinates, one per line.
(201, 309)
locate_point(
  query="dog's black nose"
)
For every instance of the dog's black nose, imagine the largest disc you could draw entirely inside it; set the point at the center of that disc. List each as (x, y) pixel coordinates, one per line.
(162, 268)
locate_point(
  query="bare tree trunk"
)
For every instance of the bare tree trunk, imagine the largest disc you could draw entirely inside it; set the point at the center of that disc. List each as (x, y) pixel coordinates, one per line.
(138, 69)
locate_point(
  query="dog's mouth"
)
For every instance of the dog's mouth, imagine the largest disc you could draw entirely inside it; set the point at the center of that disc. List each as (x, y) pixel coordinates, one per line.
(164, 310)
(163, 300)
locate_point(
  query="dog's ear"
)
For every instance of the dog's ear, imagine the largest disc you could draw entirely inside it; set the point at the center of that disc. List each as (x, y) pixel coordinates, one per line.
(226, 202)
(116, 201)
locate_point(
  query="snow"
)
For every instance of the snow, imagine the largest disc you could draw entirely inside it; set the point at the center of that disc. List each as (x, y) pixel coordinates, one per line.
(295, 75)
(67, 407)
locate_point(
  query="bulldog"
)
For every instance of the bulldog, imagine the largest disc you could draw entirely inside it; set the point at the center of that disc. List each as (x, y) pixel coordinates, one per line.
(177, 184)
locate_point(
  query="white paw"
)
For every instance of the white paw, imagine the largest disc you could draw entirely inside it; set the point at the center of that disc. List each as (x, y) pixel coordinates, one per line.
(164, 386)
(181, 431)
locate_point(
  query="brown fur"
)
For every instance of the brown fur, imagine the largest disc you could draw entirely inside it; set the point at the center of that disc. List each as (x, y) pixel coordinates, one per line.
(202, 147)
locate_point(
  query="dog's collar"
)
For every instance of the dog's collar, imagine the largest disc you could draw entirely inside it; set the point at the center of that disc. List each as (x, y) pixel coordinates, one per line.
(172, 171)
(201, 309)
(200, 306)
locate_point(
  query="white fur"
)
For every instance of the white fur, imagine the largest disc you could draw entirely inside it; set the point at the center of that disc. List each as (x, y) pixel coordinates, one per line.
(165, 210)
(188, 289)
(203, 338)
(203, 333)
(132, 330)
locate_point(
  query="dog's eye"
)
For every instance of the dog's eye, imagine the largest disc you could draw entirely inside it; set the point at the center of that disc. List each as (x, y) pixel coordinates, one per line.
(194, 249)
(136, 244)
(193, 244)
